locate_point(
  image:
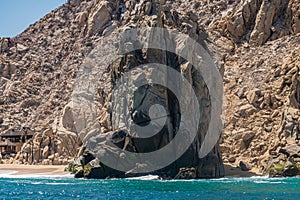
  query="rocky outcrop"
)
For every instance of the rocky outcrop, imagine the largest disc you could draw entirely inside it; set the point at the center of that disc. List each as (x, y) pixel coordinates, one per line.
(99, 17)
(49, 148)
(113, 119)
(4, 44)
(258, 21)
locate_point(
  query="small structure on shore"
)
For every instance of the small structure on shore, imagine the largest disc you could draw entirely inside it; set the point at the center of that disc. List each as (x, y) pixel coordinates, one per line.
(12, 140)
(7, 147)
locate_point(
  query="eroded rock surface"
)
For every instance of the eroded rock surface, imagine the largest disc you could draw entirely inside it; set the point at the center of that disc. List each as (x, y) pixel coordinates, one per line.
(256, 48)
(114, 120)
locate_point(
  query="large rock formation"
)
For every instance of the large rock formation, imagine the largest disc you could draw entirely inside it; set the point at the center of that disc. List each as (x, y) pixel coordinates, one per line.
(92, 21)
(120, 114)
(257, 48)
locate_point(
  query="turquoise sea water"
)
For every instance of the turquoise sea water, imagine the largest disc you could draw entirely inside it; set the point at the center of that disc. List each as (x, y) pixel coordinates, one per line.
(226, 188)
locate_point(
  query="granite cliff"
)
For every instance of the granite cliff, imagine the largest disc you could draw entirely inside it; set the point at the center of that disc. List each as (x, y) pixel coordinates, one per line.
(255, 45)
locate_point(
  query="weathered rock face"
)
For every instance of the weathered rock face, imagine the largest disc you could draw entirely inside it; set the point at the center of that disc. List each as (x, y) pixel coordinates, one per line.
(49, 148)
(99, 17)
(113, 116)
(258, 21)
(84, 23)
(257, 48)
(264, 106)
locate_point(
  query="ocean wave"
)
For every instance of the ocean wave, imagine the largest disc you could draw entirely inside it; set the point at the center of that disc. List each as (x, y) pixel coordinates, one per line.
(12, 174)
(145, 178)
(270, 182)
(7, 173)
(59, 183)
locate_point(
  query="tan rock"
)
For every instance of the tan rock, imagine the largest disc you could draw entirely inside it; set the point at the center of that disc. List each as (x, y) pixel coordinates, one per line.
(82, 18)
(98, 18)
(232, 159)
(21, 48)
(51, 157)
(253, 95)
(48, 133)
(45, 152)
(46, 162)
(247, 110)
(148, 8)
(68, 120)
(45, 141)
(4, 44)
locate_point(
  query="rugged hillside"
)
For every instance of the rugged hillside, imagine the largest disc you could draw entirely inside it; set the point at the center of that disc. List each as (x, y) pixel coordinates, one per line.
(95, 21)
(256, 47)
(262, 110)
(262, 85)
(259, 41)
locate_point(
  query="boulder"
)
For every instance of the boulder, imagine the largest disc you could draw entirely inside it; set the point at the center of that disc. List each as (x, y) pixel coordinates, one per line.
(82, 18)
(56, 161)
(186, 173)
(99, 18)
(4, 44)
(247, 137)
(244, 166)
(46, 162)
(263, 23)
(45, 152)
(51, 157)
(291, 170)
(247, 110)
(67, 119)
(253, 96)
(22, 48)
(291, 150)
(266, 16)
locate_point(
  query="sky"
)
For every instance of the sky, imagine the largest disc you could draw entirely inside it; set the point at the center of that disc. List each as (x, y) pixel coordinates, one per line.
(17, 15)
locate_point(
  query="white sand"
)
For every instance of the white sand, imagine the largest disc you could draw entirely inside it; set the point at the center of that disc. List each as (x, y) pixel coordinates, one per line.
(7, 170)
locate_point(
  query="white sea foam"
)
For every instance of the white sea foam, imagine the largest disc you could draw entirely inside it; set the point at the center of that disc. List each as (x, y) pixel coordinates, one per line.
(12, 174)
(146, 178)
(42, 176)
(7, 173)
(270, 182)
(59, 183)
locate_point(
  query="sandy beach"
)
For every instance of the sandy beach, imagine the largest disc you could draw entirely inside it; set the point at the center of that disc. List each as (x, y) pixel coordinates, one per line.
(33, 169)
(232, 171)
